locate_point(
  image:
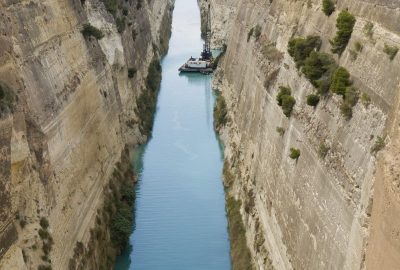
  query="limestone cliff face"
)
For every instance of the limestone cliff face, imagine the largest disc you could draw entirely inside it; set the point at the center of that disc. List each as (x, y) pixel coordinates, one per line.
(73, 113)
(318, 212)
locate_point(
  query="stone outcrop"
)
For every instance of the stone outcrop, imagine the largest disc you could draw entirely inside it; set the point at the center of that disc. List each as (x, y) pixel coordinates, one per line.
(73, 114)
(337, 210)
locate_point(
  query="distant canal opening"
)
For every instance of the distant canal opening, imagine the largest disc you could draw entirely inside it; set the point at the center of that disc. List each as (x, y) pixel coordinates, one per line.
(179, 210)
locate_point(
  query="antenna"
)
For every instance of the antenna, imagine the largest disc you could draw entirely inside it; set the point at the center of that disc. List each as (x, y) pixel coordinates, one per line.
(206, 54)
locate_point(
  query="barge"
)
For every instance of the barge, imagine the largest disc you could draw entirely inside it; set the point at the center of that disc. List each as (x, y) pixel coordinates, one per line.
(205, 63)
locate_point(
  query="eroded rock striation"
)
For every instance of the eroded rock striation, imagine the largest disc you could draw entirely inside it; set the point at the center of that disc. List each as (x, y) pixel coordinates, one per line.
(335, 203)
(68, 105)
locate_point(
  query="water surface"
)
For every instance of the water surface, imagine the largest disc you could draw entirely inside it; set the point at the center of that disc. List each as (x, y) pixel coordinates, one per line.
(180, 214)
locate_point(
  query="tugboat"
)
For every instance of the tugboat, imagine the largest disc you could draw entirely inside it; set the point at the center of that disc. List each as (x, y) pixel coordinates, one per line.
(204, 64)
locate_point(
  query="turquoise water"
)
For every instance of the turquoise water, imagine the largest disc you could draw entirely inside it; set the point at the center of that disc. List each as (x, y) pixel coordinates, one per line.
(180, 213)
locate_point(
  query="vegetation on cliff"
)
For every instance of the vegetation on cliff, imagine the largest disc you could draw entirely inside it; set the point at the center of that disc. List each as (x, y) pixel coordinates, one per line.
(312, 100)
(328, 7)
(240, 253)
(285, 100)
(7, 99)
(91, 31)
(344, 24)
(220, 112)
(391, 51)
(146, 103)
(301, 48)
(317, 65)
(324, 74)
(114, 221)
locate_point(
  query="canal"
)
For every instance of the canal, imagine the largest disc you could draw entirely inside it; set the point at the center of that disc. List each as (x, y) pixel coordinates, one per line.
(180, 213)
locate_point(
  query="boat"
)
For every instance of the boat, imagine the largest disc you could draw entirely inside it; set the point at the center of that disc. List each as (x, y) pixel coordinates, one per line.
(205, 63)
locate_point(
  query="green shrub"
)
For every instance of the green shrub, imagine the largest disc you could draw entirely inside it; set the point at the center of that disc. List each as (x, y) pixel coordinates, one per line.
(240, 254)
(300, 48)
(328, 7)
(46, 248)
(288, 103)
(365, 99)
(316, 65)
(369, 29)
(391, 51)
(285, 100)
(358, 46)
(294, 153)
(131, 72)
(346, 110)
(153, 78)
(312, 100)
(378, 146)
(89, 30)
(111, 6)
(324, 83)
(257, 32)
(344, 24)
(125, 11)
(280, 130)
(44, 223)
(127, 194)
(146, 103)
(120, 22)
(270, 52)
(43, 234)
(121, 226)
(340, 81)
(282, 92)
(220, 112)
(323, 150)
(351, 96)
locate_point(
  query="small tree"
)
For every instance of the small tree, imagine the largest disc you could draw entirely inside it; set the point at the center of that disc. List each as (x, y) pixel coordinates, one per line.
(294, 153)
(317, 65)
(44, 223)
(283, 91)
(328, 7)
(89, 30)
(281, 131)
(378, 146)
(301, 48)
(288, 103)
(391, 51)
(340, 81)
(312, 100)
(257, 32)
(344, 24)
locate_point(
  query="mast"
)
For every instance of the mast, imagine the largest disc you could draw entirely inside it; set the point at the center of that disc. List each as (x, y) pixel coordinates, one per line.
(206, 54)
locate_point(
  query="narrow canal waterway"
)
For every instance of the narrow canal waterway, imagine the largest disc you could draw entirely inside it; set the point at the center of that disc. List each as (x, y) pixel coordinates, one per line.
(180, 213)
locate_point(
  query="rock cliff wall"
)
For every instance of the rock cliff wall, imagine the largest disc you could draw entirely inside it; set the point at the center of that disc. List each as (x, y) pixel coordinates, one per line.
(70, 113)
(331, 210)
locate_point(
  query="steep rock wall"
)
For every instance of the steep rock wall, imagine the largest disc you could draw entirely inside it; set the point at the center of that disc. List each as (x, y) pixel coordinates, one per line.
(314, 213)
(74, 112)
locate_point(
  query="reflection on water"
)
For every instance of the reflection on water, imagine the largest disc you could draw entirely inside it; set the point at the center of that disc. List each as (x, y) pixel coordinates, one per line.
(180, 215)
